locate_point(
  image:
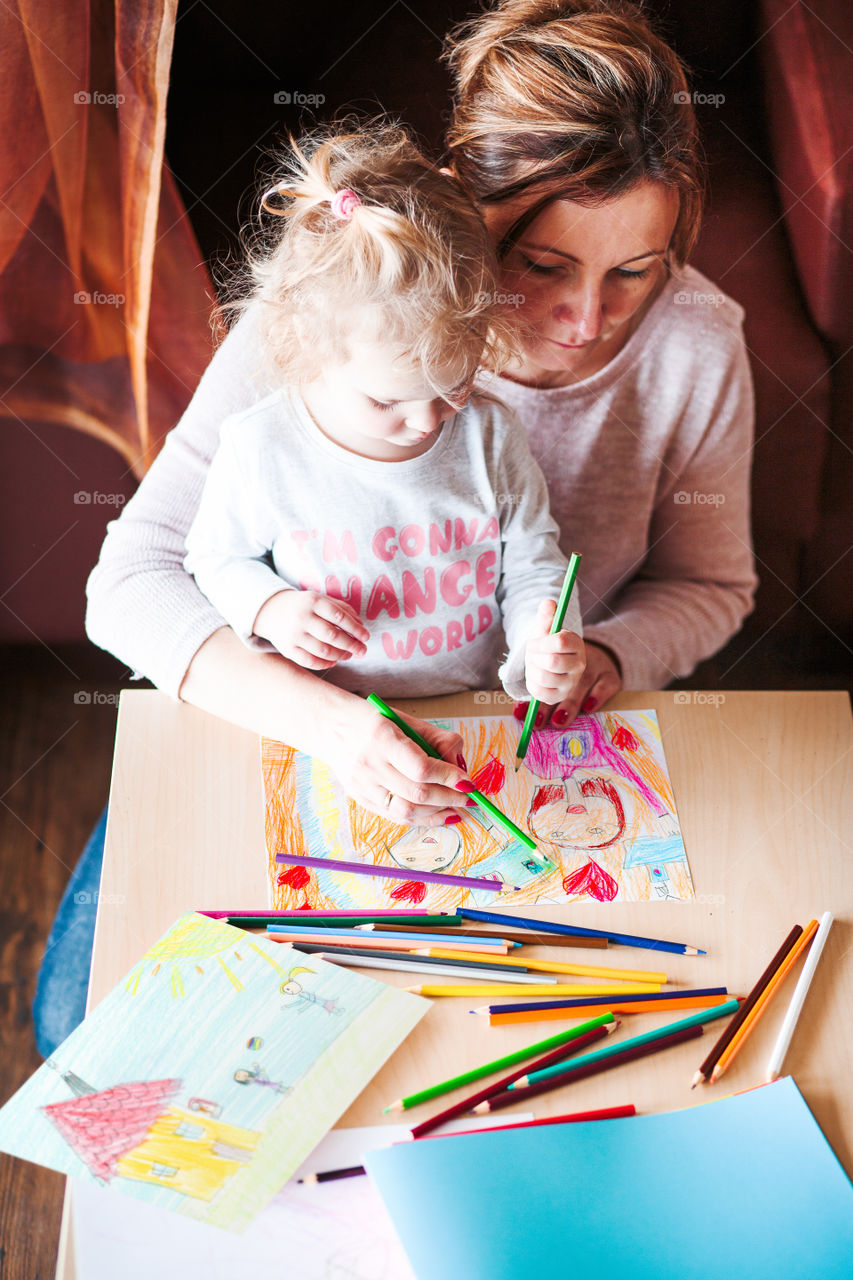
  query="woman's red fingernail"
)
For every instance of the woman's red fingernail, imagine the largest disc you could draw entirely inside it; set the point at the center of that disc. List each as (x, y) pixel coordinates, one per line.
(452, 820)
(460, 760)
(559, 717)
(540, 720)
(590, 704)
(520, 710)
(464, 785)
(471, 804)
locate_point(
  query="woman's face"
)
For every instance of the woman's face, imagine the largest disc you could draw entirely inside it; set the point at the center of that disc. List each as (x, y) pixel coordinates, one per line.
(575, 818)
(581, 276)
(426, 848)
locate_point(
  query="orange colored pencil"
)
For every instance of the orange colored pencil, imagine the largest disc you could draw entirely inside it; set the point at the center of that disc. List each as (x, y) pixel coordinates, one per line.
(576, 970)
(763, 1001)
(386, 942)
(588, 1011)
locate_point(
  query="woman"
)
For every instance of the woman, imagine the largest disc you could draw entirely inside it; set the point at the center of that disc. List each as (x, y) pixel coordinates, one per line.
(572, 128)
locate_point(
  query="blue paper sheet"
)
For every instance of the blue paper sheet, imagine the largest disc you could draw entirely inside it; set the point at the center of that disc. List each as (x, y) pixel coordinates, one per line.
(745, 1187)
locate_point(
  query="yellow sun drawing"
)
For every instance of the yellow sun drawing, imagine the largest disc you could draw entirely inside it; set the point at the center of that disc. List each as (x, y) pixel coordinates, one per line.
(195, 938)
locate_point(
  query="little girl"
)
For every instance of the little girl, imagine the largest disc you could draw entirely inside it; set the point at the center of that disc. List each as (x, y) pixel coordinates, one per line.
(374, 518)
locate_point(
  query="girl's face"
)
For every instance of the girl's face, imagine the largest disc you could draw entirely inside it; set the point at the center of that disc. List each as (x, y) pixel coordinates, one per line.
(426, 848)
(379, 406)
(585, 275)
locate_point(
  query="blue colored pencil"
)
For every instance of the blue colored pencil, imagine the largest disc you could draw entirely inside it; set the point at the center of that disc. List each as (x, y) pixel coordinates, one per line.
(583, 1001)
(362, 935)
(547, 926)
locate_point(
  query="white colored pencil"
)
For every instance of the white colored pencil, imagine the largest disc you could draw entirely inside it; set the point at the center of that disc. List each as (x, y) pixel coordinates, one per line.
(789, 1026)
(368, 961)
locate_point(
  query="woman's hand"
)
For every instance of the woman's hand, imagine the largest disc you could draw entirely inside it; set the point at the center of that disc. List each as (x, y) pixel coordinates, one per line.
(311, 629)
(600, 680)
(553, 664)
(384, 771)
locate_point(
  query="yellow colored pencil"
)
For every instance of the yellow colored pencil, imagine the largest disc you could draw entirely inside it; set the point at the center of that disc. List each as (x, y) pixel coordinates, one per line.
(761, 1004)
(516, 988)
(558, 966)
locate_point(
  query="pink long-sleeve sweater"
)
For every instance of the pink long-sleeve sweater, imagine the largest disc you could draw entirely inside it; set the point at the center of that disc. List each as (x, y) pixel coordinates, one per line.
(647, 464)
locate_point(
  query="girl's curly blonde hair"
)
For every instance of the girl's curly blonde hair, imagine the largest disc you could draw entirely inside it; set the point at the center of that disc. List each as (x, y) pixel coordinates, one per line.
(414, 250)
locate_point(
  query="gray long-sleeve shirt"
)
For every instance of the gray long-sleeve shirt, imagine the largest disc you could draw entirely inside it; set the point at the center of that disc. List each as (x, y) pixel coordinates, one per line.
(434, 552)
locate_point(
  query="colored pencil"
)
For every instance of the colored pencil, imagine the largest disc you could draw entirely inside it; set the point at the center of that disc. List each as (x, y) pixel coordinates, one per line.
(578, 970)
(789, 1025)
(497, 1064)
(393, 915)
(511, 1095)
(490, 968)
(574, 1117)
(546, 926)
(394, 873)
(441, 937)
(647, 1037)
(397, 963)
(558, 989)
(466, 1104)
(757, 1012)
(479, 799)
(661, 997)
(519, 936)
(333, 1175)
(556, 625)
(370, 946)
(408, 939)
(731, 1030)
(614, 1005)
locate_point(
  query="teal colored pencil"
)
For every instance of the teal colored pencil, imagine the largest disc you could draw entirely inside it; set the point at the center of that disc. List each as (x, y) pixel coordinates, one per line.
(488, 1068)
(479, 799)
(695, 1019)
(556, 625)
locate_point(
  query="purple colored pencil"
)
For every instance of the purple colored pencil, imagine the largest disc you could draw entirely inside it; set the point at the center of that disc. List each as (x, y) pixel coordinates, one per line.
(393, 873)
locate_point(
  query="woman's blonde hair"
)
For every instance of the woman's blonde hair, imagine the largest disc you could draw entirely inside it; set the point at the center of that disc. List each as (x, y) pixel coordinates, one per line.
(414, 247)
(571, 100)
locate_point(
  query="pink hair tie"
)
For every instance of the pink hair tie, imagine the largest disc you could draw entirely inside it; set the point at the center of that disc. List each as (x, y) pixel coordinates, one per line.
(344, 203)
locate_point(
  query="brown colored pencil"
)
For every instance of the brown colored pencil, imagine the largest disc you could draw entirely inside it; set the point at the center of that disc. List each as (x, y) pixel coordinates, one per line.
(511, 935)
(743, 1012)
(511, 1096)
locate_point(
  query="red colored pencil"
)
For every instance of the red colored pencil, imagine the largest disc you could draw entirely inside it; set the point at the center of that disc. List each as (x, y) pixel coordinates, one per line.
(510, 1096)
(498, 1086)
(606, 1113)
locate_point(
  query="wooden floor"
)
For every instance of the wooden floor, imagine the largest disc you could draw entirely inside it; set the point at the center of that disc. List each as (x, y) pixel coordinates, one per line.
(56, 752)
(54, 780)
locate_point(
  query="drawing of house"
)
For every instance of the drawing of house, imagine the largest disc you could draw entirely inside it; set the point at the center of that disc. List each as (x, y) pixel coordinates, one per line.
(132, 1131)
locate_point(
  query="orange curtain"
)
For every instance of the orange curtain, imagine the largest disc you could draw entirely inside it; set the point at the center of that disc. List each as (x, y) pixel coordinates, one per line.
(105, 300)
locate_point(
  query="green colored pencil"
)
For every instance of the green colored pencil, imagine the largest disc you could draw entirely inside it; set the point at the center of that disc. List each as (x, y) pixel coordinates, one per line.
(479, 799)
(694, 1019)
(340, 922)
(476, 1073)
(556, 625)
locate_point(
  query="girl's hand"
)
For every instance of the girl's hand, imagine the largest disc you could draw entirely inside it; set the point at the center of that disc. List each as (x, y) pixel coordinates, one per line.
(554, 664)
(312, 630)
(382, 770)
(600, 681)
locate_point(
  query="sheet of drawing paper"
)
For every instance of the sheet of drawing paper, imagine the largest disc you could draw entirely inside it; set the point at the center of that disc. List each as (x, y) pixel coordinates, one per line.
(209, 1073)
(596, 798)
(337, 1231)
(747, 1186)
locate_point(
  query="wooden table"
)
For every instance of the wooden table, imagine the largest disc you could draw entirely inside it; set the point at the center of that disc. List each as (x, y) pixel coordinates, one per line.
(764, 788)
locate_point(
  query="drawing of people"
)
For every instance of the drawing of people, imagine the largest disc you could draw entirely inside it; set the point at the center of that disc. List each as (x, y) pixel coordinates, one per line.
(256, 1075)
(426, 848)
(307, 999)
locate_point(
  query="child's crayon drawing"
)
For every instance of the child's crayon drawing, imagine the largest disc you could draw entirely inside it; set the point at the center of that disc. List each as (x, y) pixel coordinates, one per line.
(155, 1093)
(596, 797)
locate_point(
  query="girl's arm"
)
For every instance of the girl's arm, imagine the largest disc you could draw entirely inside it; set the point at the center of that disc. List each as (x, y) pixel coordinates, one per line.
(146, 609)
